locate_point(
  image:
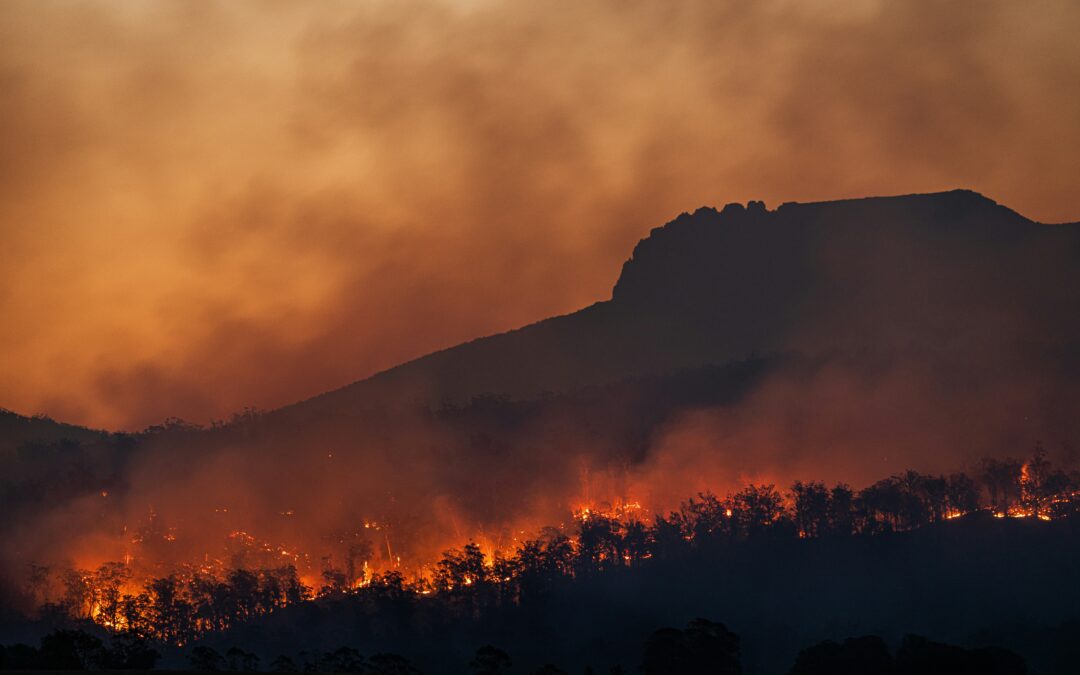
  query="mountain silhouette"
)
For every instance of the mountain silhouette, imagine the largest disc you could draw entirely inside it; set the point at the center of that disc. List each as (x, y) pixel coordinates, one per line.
(841, 341)
(950, 272)
(862, 336)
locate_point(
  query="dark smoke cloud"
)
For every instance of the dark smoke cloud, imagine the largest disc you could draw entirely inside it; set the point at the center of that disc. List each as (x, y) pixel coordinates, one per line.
(247, 203)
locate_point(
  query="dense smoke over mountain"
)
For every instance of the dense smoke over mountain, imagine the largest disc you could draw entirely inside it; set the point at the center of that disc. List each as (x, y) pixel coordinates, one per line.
(841, 341)
(190, 195)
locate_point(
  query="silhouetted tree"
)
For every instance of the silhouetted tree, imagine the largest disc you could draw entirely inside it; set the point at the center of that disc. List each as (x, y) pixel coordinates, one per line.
(390, 664)
(962, 493)
(334, 580)
(919, 656)
(670, 540)
(172, 618)
(21, 657)
(283, 664)
(71, 650)
(206, 659)
(357, 550)
(881, 506)
(460, 569)
(934, 492)
(135, 611)
(38, 583)
(704, 648)
(856, 656)
(811, 508)
(841, 510)
(599, 543)
(1002, 481)
(490, 660)
(637, 542)
(705, 518)
(78, 598)
(312, 661)
(242, 661)
(128, 651)
(756, 507)
(343, 660)
(243, 597)
(107, 583)
(541, 561)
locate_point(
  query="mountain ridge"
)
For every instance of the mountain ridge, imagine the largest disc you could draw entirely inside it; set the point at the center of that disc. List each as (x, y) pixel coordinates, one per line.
(688, 282)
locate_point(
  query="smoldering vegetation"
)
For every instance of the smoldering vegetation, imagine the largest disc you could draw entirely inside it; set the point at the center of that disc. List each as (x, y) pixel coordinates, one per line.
(389, 490)
(990, 569)
(418, 479)
(978, 583)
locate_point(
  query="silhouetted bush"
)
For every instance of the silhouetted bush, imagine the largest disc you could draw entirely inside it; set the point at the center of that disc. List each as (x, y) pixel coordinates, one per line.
(856, 656)
(704, 648)
(919, 656)
(207, 660)
(490, 660)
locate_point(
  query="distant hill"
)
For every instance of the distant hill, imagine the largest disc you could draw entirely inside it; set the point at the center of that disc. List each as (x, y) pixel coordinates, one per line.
(947, 271)
(16, 429)
(844, 340)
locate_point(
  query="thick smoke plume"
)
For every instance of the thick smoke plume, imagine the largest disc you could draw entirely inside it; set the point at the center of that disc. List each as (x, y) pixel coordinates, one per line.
(190, 195)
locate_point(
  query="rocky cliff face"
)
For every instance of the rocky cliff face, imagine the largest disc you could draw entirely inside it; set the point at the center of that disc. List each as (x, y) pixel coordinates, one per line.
(717, 250)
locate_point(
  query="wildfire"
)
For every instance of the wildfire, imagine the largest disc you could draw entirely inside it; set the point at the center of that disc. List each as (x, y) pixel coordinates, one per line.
(604, 534)
(619, 510)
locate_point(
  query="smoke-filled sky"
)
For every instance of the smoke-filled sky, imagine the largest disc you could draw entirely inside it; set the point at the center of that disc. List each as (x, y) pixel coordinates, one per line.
(208, 205)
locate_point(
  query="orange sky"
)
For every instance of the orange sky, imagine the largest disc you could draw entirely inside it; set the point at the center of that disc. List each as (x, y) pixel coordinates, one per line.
(210, 205)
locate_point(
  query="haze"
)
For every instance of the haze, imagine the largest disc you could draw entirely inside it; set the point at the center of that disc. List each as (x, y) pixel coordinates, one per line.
(214, 205)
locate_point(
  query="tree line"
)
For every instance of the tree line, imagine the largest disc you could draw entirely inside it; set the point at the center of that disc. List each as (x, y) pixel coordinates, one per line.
(180, 608)
(703, 647)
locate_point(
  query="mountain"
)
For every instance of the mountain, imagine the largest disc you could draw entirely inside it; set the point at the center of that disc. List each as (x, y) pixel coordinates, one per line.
(948, 272)
(16, 429)
(838, 341)
(842, 341)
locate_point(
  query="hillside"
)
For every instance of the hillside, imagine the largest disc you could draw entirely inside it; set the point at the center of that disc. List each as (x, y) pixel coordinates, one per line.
(16, 429)
(946, 271)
